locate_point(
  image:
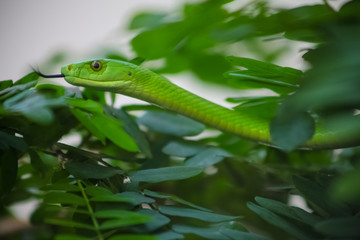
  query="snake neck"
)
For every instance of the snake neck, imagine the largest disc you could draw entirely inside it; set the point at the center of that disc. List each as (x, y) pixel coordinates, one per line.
(161, 92)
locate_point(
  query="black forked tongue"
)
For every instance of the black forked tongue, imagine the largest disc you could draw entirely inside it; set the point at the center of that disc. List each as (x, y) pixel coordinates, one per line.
(48, 76)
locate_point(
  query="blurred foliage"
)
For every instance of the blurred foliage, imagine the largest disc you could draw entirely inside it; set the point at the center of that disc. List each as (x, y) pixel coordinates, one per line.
(144, 176)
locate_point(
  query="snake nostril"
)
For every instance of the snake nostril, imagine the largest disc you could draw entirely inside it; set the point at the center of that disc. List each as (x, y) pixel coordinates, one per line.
(69, 67)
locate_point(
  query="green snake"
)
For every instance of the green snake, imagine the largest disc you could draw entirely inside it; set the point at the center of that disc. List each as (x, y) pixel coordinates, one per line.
(141, 83)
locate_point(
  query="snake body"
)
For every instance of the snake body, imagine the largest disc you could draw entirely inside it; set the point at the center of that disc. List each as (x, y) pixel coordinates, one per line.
(141, 83)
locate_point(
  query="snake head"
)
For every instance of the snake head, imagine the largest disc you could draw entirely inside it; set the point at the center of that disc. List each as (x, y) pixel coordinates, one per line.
(101, 74)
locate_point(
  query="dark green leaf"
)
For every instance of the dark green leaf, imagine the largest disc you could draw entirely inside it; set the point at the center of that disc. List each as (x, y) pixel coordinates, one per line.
(147, 20)
(69, 237)
(193, 213)
(235, 235)
(5, 84)
(320, 197)
(182, 149)
(89, 170)
(136, 198)
(134, 237)
(347, 187)
(97, 191)
(158, 220)
(174, 198)
(164, 174)
(170, 235)
(208, 233)
(12, 141)
(64, 198)
(207, 157)
(68, 223)
(289, 130)
(340, 227)
(111, 198)
(280, 222)
(26, 79)
(8, 170)
(172, 124)
(287, 211)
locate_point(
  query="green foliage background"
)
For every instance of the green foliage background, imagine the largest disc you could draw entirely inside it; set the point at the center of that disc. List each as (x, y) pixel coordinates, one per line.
(142, 176)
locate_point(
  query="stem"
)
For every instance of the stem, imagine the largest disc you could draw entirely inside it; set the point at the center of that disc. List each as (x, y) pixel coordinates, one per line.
(91, 212)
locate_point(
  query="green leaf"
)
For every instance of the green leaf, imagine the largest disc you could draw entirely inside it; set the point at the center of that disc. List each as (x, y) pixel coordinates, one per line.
(136, 198)
(320, 197)
(193, 213)
(147, 20)
(111, 198)
(175, 199)
(103, 126)
(7, 141)
(170, 123)
(282, 80)
(117, 223)
(287, 211)
(280, 222)
(131, 127)
(137, 61)
(158, 220)
(170, 235)
(64, 198)
(68, 223)
(11, 91)
(134, 237)
(69, 237)
(290, 129)
(26, 79)
(87, 105)
(5, 84)
(89, 170)
(59, 186)
(182, 149)
(347, 186)
(97, 191)
(164, 174)
(8, 171)
(235, 234)
(207, 157)
(208, 233)
(347, 227)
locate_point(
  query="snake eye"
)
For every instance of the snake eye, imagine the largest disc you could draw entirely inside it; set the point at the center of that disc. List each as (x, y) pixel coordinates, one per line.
(96, 65)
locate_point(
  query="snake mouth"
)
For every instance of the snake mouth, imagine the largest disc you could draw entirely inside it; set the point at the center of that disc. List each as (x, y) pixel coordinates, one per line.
(93, 83)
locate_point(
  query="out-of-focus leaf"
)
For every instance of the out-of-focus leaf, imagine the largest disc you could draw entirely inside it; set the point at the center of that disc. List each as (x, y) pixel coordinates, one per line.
(5, 84)
(347, 187)
(8, 170)
(69, 237)
(347, 227)
(137, 61)
(87, 105)
(7, 141)
(175, 199)
(164, 174)
(207, 157)
(235, 234)
(34, 106)
(282, 80)
(26, 79)
(280, 222)
(288, 211)
(172, 124)
(97, 191)
(194, 213)
(122, 214)
(320, 197)
(64, 198)
(147, 20)
(182, 149)
(88, 170)
(289, 129)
